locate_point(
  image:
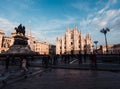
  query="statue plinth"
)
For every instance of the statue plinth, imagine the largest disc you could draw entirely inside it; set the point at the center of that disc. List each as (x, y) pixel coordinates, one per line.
(20, 40)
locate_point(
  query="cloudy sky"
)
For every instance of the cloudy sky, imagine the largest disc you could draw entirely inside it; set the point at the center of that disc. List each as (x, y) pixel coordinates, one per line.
(49, 19)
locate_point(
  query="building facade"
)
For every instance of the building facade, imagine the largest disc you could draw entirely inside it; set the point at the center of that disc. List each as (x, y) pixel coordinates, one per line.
(6, 43)
(36, 46)
(73, 42)
(41, 48)
(59, 46)
(31, 42)
(112, 49)
(1, 40)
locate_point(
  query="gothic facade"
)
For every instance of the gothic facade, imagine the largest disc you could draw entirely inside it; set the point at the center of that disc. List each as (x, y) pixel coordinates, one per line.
(73, 42)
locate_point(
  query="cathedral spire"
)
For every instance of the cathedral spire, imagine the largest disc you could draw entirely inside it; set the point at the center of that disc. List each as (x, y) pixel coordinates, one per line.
(80, 31)
(76, 27)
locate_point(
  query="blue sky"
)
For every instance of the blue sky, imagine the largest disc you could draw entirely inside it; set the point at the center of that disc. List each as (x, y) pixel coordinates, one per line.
(49, 19)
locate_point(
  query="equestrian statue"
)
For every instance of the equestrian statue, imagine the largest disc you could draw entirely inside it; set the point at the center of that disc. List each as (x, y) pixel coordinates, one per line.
(20, 29)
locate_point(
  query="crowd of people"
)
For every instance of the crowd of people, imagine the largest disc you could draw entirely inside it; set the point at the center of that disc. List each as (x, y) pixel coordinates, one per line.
(54, 60)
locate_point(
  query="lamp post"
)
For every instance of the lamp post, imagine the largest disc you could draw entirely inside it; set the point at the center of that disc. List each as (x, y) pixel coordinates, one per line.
(104, 31)
(93, 48)
(96, 44)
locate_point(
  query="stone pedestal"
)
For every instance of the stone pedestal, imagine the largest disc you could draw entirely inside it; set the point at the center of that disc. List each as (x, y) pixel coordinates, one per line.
(20, 40)
(19, 49)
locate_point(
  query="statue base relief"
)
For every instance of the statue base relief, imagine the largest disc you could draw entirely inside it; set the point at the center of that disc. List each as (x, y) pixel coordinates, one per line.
(19, 49)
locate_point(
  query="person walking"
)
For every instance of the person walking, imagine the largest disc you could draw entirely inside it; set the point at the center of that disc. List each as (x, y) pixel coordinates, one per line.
(80, 58)
(46, 60)
(93, 61)
(7, 62)
(24, 64)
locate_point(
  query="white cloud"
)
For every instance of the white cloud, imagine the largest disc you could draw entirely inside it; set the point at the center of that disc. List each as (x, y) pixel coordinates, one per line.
(48, 31)
(84, 6)
(109, 3)
(116, 24)
(109, 16)
(105, 17)
(56, 23)
(102, 20)
(43, 37)
(6, 26)
(41, 33)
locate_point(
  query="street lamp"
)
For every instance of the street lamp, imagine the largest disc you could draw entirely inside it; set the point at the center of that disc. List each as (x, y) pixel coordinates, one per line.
(104, 31)
(96, 44)
(93, 48)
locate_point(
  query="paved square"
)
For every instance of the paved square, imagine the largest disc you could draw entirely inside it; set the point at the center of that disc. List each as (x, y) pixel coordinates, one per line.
(69, 79)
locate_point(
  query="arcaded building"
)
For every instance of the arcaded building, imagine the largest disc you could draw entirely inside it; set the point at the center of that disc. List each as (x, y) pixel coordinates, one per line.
(73, 42)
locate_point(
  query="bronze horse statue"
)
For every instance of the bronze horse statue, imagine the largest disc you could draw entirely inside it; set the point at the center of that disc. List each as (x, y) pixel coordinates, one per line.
(20, 29)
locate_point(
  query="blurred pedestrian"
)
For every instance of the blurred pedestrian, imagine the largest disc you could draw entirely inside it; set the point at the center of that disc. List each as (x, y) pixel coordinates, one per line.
(80, 58)
(7, 62)
(46, 60)
(93, 60)
(24, 64)
(85, 57)
(55, 60)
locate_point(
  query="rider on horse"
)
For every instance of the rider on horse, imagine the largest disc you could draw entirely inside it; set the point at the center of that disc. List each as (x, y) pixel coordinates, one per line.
(20, 29)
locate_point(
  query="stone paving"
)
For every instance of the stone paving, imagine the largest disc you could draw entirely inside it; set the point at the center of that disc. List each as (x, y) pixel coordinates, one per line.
(69, 79)
(14, 74)
(84, 66)
(63, 76)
